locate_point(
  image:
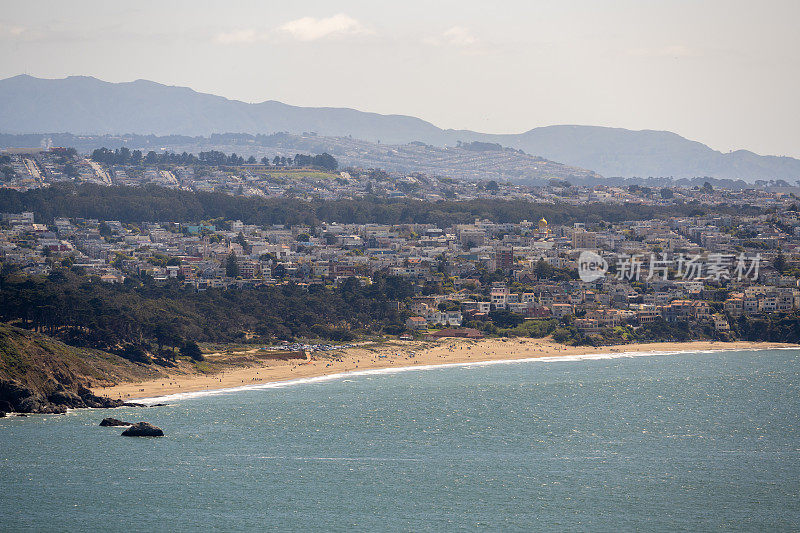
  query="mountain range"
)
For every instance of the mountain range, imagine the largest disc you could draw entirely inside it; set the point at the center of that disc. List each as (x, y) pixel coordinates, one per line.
(86, 105)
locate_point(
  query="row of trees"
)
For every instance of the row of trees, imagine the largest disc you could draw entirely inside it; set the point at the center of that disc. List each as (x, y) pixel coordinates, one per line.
(322, 161)
(156, 204)
(775, 327)
(6, 171)
(130, 317)
(125, 156)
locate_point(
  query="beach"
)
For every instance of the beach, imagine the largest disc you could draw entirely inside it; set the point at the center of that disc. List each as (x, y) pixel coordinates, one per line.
(236, 369)
(594, 440)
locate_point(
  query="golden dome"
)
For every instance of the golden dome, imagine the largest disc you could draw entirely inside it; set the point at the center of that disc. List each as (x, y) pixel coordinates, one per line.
(543, 223)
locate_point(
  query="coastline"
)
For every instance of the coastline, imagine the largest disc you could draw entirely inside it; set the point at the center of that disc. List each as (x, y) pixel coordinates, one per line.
(393, 355)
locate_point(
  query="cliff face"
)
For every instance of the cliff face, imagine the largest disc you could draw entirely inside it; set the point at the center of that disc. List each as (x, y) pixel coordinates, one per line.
(39, 374)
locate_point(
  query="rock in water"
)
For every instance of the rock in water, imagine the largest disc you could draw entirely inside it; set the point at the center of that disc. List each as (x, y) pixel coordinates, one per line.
(143, 429)
(113, 422)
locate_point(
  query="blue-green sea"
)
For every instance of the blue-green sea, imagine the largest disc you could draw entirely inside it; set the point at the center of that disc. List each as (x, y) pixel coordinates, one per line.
(681, 442)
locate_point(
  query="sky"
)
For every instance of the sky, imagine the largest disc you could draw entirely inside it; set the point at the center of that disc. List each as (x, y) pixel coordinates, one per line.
(722, 72)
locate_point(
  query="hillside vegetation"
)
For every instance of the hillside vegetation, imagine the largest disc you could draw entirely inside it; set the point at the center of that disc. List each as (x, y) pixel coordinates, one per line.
(37, 361)
(41, 374)
(157, 204)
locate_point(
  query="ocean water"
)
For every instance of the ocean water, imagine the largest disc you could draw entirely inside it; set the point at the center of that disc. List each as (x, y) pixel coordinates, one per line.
(682, 442)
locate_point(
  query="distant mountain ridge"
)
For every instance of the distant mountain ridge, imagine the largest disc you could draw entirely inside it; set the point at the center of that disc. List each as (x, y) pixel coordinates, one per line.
(86, 105)
(81, 104)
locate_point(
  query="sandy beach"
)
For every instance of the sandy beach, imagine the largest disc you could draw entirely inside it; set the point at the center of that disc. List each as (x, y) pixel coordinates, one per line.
(235, 370)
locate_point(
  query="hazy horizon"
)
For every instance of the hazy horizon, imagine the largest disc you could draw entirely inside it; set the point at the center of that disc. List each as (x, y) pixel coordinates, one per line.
(721, 73)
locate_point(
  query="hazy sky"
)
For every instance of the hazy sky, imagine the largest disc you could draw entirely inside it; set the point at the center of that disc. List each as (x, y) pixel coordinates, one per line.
(723, 72)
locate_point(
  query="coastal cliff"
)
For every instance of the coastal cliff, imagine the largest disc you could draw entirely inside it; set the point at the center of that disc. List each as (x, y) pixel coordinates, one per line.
(39, 374)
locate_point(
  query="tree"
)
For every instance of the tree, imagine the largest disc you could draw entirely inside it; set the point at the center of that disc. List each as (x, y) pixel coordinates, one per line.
(71, 171)
(780, 262)
(165, 334)
(232, 266)
(192, 350)
(667, 193)
(135, 353)
(503, 318)
(124, 156)
(326, 161)
(8, 172)
(543, 269)
(242, 241)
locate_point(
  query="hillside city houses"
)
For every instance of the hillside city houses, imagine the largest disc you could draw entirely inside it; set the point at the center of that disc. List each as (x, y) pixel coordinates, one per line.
(646, 279)
(34, 169)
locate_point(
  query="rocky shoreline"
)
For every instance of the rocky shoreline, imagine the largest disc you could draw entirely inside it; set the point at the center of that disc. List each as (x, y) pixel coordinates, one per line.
(16, 398)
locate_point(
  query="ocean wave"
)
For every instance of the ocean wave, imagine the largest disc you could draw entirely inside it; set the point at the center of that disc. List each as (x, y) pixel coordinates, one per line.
(417, 368)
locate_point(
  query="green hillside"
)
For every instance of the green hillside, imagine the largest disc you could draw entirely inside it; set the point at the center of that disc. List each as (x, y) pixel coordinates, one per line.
(52, 375)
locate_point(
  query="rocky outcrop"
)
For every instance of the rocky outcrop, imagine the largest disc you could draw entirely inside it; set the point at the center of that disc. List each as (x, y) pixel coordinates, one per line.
(23, 400)
(39, 374)
(15, 397)
(113, 422)
(143, 429)
(12, 394)
(99, 402)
